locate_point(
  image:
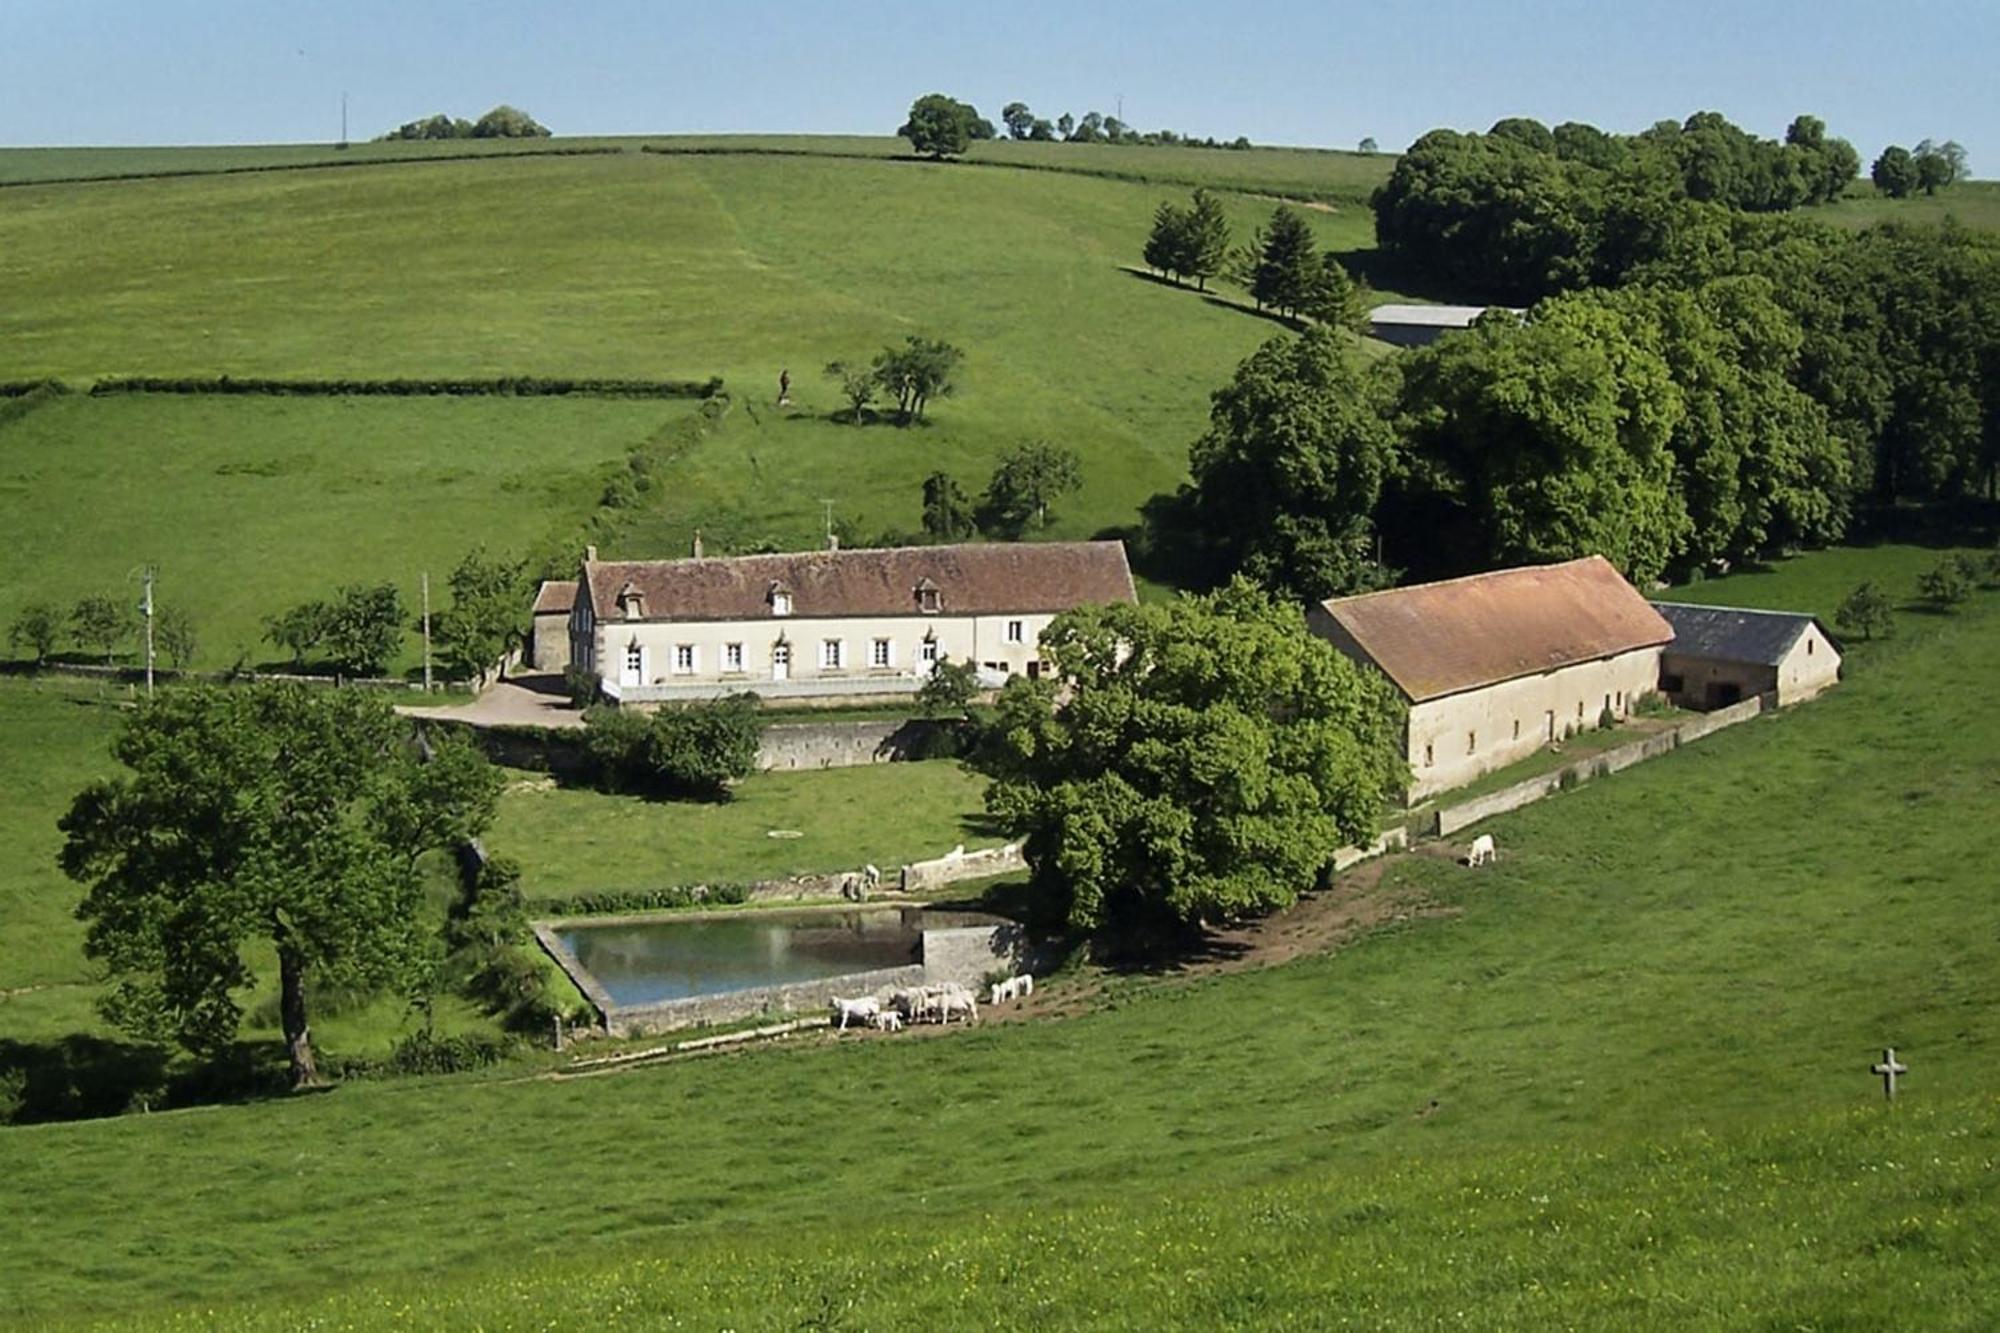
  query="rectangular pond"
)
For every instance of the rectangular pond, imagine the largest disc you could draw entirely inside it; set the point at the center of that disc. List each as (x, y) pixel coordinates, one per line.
(653, 961)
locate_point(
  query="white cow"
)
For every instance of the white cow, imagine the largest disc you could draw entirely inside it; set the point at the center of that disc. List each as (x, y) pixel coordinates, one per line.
(957, 1001)
(888, 1020)
(1013, 988)
(861, 1010)
(1482, 850)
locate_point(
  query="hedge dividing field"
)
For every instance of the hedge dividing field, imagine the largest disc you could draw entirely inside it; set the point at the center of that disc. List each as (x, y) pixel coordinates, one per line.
(1619, 1078)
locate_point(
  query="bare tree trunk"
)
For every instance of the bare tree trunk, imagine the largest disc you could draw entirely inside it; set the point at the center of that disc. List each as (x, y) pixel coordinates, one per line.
(292, 1015)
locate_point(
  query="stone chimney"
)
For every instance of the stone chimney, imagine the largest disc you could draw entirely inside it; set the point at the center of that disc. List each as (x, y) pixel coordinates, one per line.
(590, 553)
(697, 543)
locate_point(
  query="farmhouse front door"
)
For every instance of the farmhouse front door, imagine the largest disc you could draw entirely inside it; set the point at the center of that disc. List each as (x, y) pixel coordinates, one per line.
(781, 661)
(635, 666)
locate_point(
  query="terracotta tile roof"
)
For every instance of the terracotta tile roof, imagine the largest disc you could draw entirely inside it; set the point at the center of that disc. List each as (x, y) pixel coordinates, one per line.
(1735, 633)
(555, 595)
(982, 579)
(1435, 639)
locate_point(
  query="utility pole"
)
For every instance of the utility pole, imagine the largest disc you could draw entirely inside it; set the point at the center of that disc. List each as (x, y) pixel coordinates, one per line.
(147, 607)
(426, 577)
(343, 118)
(829, 522)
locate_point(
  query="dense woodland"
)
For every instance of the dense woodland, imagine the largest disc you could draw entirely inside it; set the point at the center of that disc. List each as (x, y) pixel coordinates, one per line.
(1705, 374)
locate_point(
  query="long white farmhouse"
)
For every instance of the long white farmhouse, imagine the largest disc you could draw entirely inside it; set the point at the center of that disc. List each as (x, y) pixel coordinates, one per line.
(827, 625)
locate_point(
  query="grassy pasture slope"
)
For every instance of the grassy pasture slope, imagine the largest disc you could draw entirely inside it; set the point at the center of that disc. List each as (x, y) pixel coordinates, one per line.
(572, 841)
(1645, 1032)
(1302, 173)
(249, 505)
(666, 266)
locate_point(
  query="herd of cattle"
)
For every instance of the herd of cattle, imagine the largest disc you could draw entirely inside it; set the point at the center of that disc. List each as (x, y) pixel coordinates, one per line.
(924, 1004)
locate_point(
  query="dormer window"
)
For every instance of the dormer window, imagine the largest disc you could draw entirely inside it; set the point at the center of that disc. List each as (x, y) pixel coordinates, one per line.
(781, 599)
(927, 597)
(631, 602)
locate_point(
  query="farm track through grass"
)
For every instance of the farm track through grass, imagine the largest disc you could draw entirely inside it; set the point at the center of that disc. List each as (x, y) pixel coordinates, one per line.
(1624, 1080)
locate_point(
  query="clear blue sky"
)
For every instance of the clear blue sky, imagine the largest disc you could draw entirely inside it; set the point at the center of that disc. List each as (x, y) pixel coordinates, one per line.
(234, 71)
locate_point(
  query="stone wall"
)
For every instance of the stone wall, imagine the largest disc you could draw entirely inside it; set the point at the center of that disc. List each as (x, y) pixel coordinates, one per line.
(966, 954)
(1449, 819)
(787, 745)
(783, 745)
(800, 997)
(959, 864)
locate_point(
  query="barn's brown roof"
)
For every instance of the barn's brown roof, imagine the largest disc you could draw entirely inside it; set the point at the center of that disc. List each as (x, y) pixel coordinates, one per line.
(983, 579)
(1435, 639)
(555, 596)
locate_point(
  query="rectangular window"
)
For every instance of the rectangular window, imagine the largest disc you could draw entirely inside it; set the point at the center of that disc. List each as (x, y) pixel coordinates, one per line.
(1517, 728)
(1427, 754)
(732, 657)
(781, 603)
(1472, 742)
(635, 658)
(832, 654)
(927, 653)
(878, 653)
(1016, 632)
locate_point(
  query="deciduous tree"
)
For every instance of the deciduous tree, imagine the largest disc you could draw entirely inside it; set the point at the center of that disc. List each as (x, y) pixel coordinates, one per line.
(940, 126)
(37, 627)
(103, 622)
(1287, 477)
(1868, 612)
(485, 619)
(1204, 761)
(293, 815)
(947, 512)
(1030, 477)
(1895, 172)
(918, 371)
(174, 629)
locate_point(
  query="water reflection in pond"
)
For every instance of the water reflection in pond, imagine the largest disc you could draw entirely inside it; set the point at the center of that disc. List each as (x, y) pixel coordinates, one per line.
(650, 961)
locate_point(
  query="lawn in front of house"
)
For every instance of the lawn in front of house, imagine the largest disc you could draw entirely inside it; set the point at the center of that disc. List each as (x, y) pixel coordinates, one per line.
(573, 840)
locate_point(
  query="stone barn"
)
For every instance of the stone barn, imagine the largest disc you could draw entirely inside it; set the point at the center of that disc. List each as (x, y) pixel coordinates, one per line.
(1495, 666)
(548, 650)
(1723, 654)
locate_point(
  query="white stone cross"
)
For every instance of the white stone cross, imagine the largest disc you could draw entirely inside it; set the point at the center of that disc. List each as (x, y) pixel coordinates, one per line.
(1888, 1069)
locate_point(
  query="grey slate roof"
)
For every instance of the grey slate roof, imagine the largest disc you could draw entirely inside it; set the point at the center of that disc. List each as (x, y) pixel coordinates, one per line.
(1734, 633)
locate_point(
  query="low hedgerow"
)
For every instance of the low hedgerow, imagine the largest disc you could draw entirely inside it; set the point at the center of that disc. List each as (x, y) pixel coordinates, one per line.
(620, 902)
(519, 386)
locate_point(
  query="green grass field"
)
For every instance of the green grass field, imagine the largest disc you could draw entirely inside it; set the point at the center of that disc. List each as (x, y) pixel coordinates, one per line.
(247, 506)
(1974, 204)
(667, 266)
(1619, 1079)
(571, 841)
(1302, 173)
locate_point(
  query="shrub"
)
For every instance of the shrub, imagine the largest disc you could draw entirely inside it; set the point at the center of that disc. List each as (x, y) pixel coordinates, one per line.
(1606, 719)
(1866, 612)
(671, 898)
(693, 750)
(582, 685)
(425, 1053)
(1947, 583)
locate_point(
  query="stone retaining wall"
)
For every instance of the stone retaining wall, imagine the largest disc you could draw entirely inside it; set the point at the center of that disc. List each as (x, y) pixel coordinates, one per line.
(805, 996)
(787, 745)
(959, 864)
(1450, 819)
